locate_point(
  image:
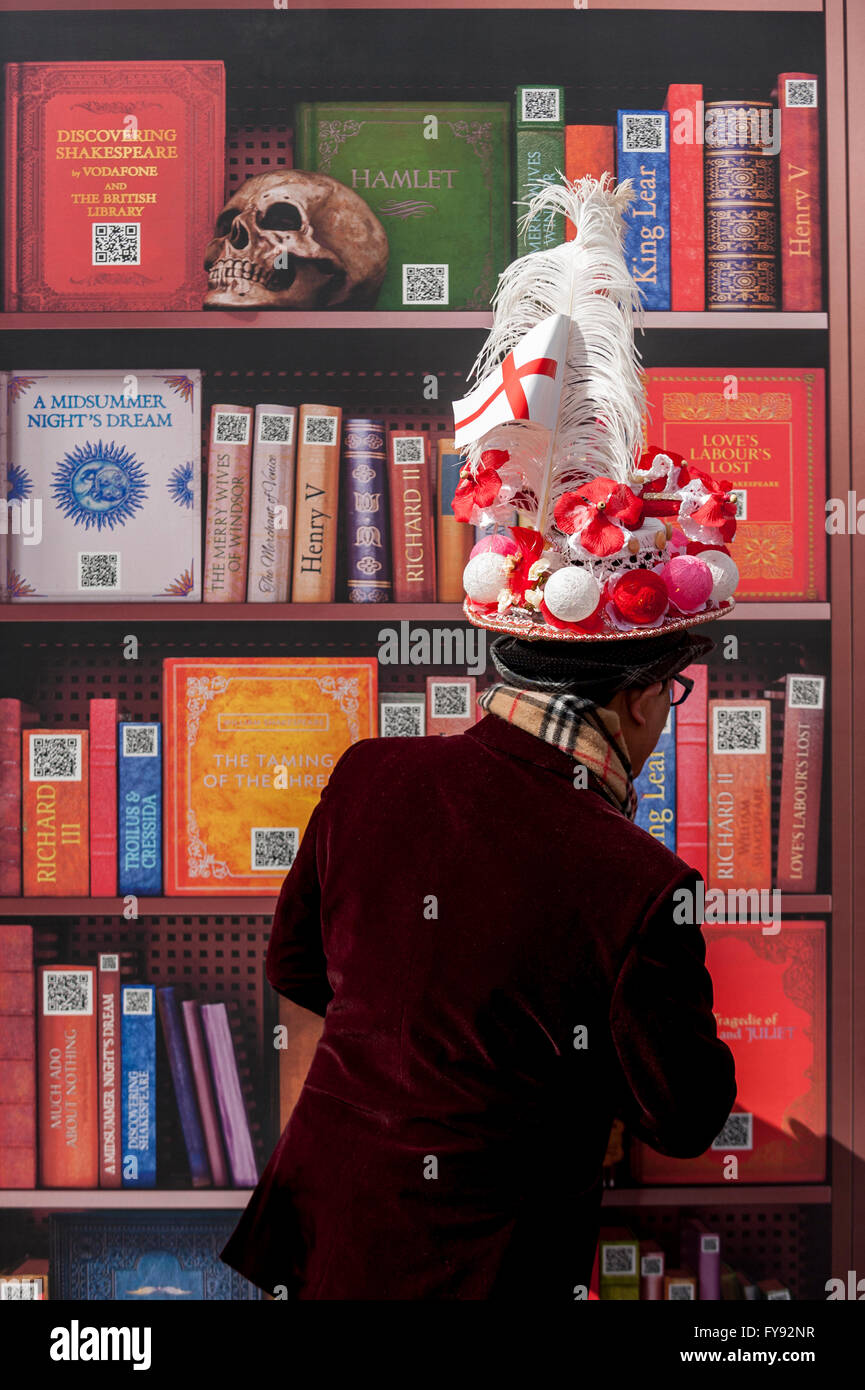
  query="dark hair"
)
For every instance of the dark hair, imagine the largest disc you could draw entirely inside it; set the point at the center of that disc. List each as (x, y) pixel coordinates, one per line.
(597, 670)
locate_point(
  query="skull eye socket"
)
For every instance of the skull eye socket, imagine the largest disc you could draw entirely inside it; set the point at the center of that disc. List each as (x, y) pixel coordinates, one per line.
(281, 217)
(224, 221)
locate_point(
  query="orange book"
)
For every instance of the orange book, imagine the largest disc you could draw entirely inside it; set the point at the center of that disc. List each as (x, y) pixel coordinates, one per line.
(56, 814)
(302, 1033)
(226, 537)
(740, 794)
(68, 1097)
(249, 746)
(316, 504)
(454, 539)
(590, 150)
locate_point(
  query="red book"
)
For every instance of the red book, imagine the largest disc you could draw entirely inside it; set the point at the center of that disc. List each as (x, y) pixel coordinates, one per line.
(799, 194)
(17, 1057)
(801, 776)
(108, 977)
(68, 1085)
(684, 102)
(692, 774)
(103, 798)
(652, 1264)
(409, 479)
(56, 814)
(770, 1010)
(226, 537)
(740, 794)
(12, 715)
(590, 152)
(114, 177)
(451, 706)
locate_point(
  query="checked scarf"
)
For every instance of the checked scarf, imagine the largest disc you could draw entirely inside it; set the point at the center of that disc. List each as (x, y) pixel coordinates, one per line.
(590, 734)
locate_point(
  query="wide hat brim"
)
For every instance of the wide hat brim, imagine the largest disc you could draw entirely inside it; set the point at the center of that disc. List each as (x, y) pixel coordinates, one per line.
(531, 629)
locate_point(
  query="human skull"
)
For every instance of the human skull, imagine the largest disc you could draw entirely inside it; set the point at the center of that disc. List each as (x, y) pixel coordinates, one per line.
(294, 240)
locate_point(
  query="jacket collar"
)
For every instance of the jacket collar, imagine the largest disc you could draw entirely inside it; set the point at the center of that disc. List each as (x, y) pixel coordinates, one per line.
(504, 737)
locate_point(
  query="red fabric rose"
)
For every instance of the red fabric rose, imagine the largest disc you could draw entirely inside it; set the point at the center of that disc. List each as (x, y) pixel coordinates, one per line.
(658, 484)
(482, 490)
(717, 511)
(593, 511)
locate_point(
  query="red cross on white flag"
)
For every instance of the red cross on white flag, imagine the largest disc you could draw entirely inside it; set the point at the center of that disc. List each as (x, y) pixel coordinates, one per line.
(526, 386)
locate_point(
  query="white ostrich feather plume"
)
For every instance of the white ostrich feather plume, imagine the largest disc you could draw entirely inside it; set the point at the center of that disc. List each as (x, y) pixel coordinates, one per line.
(599, 428)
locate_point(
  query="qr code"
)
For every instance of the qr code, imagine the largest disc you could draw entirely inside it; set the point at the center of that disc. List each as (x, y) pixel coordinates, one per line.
(651, 1264)
(140, 740)
(541, 104)
(738, 1133)
(20, 1288)
(451, 700)
(710, 1245)
(425, 284)
(403, 720)
(644, 133)
(116, 243)
(681, 1293)
(107, 962)
(138, 1001)
(739, 729)
(778, 1293)
(806, 692)
(229, 428)
(67, 992)
(741, 503)
(55, 758)
(275, 429)
(319, 429)
(619, 1259)
(409, 450)
(273, 848)
(800, 91)
(99, 570)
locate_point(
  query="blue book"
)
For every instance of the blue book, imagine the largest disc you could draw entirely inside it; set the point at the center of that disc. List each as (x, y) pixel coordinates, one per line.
(643, 155)
(138, 1063)
(656, 787)
(139, 809)
(184, 1085)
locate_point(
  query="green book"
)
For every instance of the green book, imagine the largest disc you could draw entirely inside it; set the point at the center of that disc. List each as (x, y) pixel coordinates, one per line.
(437, 176)
(540, 159)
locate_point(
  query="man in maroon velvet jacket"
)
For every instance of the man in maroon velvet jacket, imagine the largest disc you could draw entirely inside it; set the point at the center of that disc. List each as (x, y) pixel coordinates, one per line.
(459, 908)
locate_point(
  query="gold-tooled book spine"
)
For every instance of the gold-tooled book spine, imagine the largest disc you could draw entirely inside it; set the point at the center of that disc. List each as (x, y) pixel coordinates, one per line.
(741, 167)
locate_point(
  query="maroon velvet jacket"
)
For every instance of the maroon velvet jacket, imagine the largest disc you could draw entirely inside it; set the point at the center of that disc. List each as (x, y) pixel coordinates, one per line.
(456, 910)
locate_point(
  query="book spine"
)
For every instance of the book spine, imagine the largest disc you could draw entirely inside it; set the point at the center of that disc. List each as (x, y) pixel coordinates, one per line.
(139, 803)
(103, 798)
(184, 1085)
(590, 152)
(66, 1049)
(801, 778)
(709, 1268)
(799, 194)
(271, 518)
(11, 239)
(204, 1092)
(692, 776)
(229, 1097)
(10, 798)
(454, 539)
(366, 511)
(740, 802)
(741, 217)
(226, 541)
(4, 484)
(540, 160)
(451, 706)
(317, 504)
(411, 516)
(108, 978)
(56, 814)
(684, 103)
(138, 1110)
(17, 1057)
(652, 1263)
(656, 787)
(643, 155)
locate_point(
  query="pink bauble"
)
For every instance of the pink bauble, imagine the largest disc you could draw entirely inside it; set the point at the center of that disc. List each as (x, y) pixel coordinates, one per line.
(689, 582)
(678, 540)
(500, 545)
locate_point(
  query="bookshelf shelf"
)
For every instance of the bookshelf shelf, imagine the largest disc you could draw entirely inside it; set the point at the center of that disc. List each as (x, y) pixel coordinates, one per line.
(733, 1195)
(365, 321)
(772, 6)
(325, 612)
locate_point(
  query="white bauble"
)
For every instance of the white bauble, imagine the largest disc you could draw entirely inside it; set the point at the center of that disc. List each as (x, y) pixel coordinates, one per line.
(725, 573)
(486, 575)
(572, 594)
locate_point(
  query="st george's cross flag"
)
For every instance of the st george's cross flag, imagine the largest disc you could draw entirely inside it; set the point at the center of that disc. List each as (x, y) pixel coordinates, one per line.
(526, 386)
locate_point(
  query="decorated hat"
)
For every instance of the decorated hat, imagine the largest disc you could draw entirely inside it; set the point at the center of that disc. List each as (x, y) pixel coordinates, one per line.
(614, 541)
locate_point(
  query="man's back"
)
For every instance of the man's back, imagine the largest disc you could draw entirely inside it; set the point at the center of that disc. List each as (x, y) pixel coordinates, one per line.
(497, 959)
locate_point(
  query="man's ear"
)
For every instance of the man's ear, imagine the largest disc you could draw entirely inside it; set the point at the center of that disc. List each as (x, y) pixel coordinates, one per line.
(639, 701)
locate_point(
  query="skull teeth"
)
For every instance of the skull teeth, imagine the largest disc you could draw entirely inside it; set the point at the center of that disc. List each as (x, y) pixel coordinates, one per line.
(222, 273)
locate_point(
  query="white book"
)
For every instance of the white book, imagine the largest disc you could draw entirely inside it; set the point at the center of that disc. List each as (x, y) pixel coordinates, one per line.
(271, 518)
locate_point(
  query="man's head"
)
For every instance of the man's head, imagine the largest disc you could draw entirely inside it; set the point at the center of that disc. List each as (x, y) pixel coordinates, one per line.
(632, 676)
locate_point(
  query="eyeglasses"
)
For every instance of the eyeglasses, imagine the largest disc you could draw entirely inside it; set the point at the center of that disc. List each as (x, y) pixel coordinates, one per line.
(687, 684)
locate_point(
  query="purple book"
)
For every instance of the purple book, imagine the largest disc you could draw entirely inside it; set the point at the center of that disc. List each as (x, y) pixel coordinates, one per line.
(367, 516)
(204, 1091)
(701, 1252)
(229, 1097)
(184, 1085)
